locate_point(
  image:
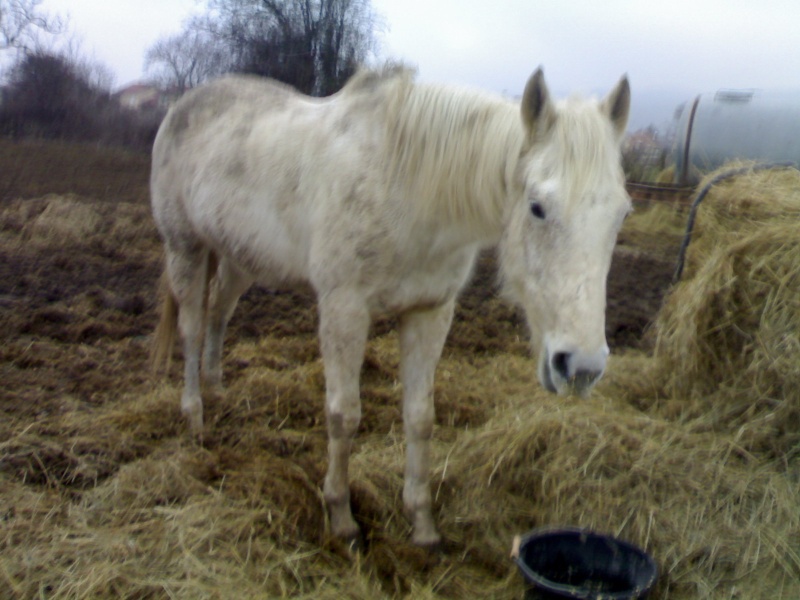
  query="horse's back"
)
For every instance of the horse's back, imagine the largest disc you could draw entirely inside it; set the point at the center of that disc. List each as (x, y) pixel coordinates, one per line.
(214, 117)
(222, 172)
(292, 188)
(216, 99)
(250, 167)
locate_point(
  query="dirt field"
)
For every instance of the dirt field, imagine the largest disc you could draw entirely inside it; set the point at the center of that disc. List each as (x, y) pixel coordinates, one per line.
(104, 494)
(77, 290)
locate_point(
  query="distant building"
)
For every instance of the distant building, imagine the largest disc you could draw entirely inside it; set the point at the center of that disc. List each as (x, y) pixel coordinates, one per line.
(145, 96)
(646, 145)
(643, 154)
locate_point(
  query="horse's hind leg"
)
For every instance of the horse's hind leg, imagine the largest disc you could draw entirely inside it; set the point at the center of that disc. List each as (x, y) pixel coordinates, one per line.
(344, 324)
(226, 288)
(187, 267)
(422, 337)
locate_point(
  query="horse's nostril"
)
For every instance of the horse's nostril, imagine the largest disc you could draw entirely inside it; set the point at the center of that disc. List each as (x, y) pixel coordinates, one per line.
(574, 371)
(561, 364)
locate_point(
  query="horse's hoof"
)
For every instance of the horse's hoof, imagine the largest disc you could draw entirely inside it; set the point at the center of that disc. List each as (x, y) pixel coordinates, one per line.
(347, 546)
(432, 543)
(193, 413)
(215, 389)
(433, 548)
(195, 427)
(355, 544)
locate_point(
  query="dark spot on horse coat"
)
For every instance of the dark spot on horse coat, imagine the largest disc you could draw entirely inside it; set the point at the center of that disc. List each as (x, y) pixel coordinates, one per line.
(356, 200)
(236, 168)
(240, 133)
(180, 120)
(344, 124)
(336, 426)
(366, 252)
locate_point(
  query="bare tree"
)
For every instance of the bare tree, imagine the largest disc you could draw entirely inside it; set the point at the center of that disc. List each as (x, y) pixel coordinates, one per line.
(314, 45)
(61, 94)
(187, 59)
(96, 74)
(48, 96)
(21, 19)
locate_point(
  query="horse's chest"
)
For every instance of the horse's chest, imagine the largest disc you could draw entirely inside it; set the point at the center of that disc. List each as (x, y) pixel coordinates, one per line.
(420, 281)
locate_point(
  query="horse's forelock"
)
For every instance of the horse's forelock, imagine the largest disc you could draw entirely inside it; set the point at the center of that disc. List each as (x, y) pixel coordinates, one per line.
(583, 149)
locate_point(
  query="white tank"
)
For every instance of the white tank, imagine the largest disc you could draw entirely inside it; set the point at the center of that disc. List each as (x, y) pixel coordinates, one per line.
(736, 124)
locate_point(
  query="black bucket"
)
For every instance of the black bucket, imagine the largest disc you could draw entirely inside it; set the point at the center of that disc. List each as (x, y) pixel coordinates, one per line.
(577, 563)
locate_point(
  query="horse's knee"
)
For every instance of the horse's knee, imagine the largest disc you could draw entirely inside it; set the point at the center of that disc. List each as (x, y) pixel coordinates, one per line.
(343, 424)
(418, 422)
(212, 361)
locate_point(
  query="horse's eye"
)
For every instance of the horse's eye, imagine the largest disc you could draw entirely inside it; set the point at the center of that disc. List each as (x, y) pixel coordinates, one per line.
(537, 210)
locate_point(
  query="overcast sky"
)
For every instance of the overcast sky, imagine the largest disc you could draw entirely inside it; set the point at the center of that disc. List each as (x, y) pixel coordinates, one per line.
(670, 50)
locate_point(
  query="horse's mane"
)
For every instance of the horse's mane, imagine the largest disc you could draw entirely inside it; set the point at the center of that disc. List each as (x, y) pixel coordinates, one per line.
(370, 79)
(446, 147)
(454, 151)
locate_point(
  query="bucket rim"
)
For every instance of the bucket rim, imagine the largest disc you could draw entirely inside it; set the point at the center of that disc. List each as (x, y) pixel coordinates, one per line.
(571, 591)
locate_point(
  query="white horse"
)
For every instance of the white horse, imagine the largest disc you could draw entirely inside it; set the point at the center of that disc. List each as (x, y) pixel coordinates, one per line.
(381, 197)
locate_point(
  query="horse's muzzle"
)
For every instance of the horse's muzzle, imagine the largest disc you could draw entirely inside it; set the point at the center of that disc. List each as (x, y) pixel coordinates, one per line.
(573, 372)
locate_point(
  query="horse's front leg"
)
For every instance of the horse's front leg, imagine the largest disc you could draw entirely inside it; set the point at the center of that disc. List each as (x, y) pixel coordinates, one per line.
(344, 324)
(422, 337)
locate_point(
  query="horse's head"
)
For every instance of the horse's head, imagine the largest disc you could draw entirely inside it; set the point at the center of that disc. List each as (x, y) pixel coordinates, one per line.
(568, 204)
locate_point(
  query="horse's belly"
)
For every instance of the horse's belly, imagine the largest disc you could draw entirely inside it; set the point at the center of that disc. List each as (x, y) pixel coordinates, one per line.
(267, 246)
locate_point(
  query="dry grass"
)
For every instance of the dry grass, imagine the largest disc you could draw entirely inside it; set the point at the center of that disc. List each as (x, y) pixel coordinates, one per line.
(732, 326)
(34, 168)
(691, 453)
(710, 512)
(654, 231)
(738, 207)
(658, 219)
(666, 176)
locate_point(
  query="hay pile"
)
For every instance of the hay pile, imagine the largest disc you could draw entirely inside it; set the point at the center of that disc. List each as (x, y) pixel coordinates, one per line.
(655, 229)
(717, 519)
(731, 327)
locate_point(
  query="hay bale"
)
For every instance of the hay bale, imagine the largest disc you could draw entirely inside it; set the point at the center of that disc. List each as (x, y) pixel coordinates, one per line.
(666, 176)
(731, 327)
(65, 220)
(131, 225)
(740, 206)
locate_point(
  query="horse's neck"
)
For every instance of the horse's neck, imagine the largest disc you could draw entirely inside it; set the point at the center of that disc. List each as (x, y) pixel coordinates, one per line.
(457, 166)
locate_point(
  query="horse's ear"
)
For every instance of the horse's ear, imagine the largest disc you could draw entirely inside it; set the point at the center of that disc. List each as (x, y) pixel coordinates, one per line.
(617, 105)
(538, 113)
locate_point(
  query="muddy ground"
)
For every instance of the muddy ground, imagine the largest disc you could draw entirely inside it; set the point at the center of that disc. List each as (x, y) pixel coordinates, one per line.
(98, 290)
